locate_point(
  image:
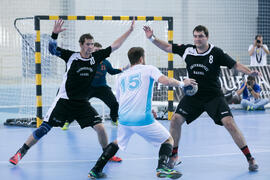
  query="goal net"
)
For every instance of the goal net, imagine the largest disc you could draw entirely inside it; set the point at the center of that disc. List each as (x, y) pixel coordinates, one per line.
(23, 75)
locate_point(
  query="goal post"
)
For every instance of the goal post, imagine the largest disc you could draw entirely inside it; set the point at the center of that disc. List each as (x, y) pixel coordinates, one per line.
(101, 27)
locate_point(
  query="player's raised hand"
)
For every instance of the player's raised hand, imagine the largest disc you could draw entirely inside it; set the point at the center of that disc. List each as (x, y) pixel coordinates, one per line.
(132, 24)
(148, 31)
(58, 26)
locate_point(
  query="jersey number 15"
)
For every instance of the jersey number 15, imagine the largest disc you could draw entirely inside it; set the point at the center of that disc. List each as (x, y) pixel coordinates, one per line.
(131, 82)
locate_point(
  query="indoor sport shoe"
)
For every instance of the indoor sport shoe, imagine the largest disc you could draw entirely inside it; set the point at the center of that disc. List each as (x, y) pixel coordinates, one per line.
(168, 173)
(252, 165)
(261, 108)
(96, 175)
(66, 126)
(173, 161)
(114, 123)
(115, 159)
(16, 158)
(250, 108)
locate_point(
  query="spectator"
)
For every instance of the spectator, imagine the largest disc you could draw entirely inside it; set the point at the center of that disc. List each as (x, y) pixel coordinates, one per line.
(258, 52)
(251, 99)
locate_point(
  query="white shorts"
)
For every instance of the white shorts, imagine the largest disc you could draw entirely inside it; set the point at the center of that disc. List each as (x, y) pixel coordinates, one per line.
(154, 133)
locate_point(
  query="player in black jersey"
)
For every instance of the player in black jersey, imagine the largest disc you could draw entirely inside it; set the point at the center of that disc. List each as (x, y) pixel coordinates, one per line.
(71, 101)
(203, 61)
(100, 88)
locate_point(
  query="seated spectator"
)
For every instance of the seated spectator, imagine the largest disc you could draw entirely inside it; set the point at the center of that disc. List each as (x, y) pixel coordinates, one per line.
(250, 92)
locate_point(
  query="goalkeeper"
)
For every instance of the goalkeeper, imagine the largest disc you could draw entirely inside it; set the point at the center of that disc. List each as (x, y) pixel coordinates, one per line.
(203, 61)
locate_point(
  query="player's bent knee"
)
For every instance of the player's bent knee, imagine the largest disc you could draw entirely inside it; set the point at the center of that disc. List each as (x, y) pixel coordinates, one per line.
(99, 127)
(43, 129)
(228, 122)
(170, 140)
(177, 119)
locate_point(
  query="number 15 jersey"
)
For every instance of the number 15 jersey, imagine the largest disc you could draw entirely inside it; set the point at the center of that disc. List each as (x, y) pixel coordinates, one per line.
(134, 95)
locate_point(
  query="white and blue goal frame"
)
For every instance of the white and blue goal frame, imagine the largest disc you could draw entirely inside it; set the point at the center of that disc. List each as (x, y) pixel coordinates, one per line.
(37, 27)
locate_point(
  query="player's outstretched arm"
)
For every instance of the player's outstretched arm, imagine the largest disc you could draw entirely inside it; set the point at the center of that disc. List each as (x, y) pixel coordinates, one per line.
(173, 82)
(57, 28)
(242, 68)
(117, 43)
(165, 46)
(53, 48)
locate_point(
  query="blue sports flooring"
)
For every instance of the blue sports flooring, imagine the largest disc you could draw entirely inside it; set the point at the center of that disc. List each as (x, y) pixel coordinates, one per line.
(207, 151)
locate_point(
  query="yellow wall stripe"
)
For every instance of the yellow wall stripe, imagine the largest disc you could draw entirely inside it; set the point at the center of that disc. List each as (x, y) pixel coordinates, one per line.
(53, 17)
(39, 101)
(38, 79)
(37, 58)
(107, 17)
(170, 73)
(157, 18)
(170, 95)
(72, 17)
(90, 17)
(124, 17)
(143, 18)
(170, 56)
(38, 36)
(170, 35)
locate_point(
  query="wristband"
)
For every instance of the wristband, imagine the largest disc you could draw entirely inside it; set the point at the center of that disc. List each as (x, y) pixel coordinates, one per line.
(152, 38)
(181, 84)
(54, 35)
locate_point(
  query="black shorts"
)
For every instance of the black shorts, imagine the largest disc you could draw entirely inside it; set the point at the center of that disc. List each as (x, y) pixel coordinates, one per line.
(68, 110)
(191, 108)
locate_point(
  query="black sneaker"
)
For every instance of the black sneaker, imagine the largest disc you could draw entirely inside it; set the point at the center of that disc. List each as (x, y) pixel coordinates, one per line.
(165, 172)
(96, 175)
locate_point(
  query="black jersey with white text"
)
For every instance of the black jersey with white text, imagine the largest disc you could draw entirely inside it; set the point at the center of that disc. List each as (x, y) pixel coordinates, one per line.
(204, 68)
(76, 84)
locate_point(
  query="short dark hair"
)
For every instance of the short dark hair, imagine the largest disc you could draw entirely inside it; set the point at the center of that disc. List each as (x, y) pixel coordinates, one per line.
(134, 54)
(96, 44)
(85, 36)
(201, 28)
(251, 78)
(258, 35)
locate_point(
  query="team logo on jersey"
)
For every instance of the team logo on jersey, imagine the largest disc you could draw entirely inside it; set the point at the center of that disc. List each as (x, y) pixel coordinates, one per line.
(85, 71)
(211, 59)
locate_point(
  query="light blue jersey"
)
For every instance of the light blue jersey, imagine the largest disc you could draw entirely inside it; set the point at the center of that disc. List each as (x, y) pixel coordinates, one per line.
(134, 95)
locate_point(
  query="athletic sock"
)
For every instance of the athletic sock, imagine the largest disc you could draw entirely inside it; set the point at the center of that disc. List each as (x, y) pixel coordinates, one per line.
(24, 149)
(164, 152)
(174, 151)
(246, 152)
(108, 152)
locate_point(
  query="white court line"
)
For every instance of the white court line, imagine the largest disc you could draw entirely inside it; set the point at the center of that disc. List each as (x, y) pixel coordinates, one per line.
(143, 158)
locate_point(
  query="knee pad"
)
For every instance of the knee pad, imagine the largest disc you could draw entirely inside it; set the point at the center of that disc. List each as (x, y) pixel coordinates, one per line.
(43, 129)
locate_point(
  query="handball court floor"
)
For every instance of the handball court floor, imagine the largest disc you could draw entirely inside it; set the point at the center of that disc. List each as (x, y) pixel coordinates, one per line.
(207, 152)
